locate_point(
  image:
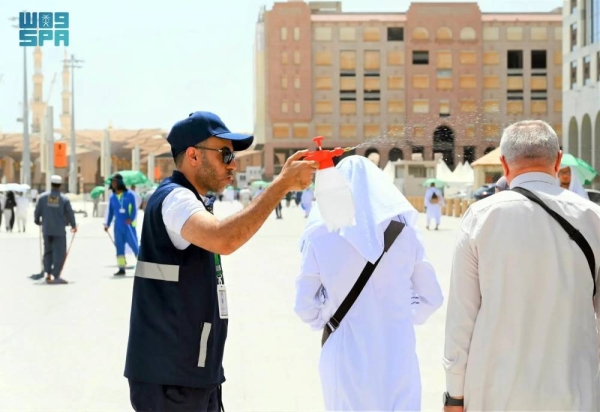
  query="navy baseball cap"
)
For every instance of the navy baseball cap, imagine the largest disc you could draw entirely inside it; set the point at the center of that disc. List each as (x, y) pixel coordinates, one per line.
(199, 126)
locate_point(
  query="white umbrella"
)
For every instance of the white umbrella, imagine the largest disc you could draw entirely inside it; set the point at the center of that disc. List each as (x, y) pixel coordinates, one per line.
(13, 187)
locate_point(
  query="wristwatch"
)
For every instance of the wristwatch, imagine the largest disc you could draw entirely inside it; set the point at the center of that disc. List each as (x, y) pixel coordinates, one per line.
(450, 401)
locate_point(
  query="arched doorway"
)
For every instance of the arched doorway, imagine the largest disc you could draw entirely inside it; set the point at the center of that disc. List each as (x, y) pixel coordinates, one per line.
(395, 154)
(443, 142)
(573, 147)
(373, 155)
(586, 139)
(488, 150)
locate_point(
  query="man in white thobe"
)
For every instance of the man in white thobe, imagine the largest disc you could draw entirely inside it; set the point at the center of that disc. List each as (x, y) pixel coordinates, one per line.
(245, 197)
(22, 209)
(521, 322)
(369, 363)
(434, 201)
(568, 180)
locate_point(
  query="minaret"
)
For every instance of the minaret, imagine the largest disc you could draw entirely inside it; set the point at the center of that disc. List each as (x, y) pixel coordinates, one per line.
(38, 106)
(65, 114)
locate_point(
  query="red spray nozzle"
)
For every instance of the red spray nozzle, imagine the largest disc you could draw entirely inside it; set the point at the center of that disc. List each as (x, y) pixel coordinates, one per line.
(324, 157)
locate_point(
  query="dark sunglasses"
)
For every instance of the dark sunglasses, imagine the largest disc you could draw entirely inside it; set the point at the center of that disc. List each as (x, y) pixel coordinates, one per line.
(227, 154)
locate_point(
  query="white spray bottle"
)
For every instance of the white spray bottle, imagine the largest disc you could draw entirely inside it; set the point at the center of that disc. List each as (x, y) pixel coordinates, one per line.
(332, 190)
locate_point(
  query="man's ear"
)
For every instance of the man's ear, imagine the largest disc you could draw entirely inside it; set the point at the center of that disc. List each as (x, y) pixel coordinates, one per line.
(558, 161)
(505, 168)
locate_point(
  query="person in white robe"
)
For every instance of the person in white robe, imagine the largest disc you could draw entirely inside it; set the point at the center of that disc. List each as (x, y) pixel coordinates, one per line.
(434, 201)
(307, 201)
(369, 362)
(22, 210)
(568, 180)
(521, 332)
(245, 197)
(229, 194)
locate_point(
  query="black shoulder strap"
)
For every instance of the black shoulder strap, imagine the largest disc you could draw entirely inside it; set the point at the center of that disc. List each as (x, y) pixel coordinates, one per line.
(391, 233)
(574, 234)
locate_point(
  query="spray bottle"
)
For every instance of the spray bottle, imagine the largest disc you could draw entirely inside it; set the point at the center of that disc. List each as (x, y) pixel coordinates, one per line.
(332, 190)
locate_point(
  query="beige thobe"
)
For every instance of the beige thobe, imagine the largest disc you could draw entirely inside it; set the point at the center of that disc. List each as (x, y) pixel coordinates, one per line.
(521, 330)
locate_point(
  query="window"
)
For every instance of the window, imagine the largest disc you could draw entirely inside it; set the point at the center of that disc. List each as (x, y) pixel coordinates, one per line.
(539, 33)
(371, 130)
(538, 59)
(396, 130)
(284, 33)
(558, 82)
(395, 82)
(573, 74)
(514, 33)
(281, 130)
(323, 34)
(573, 4)
(586, 70)
(514, 59)
(324, 107)
(420, 81)
(371, 107)
(372, 59)
(348, 107)
(470, 131)
(468, 105)
(395, 106)
(558, 129)
(419, 131)
(491, 106)
(297, 107)
(301, 130)
(558, 106)
(347, 130)
(443, 33)
(347, 34)
(371, 84)
(296, 57)
(491, 130)
(468, 81)
(468, 33)
(595, 20)
(558, 57)
(491, 33)
(348, 84)
(420, 57)
(395, 33)
(491, 58)
(284, 83)
(371, 34)
(444, 79)
(573, 36)
(514, 107)
(419, 172)
(348, 60)
(323, 83)
(395, 58)
(284, 58)
(297, 82)
(469, 154)
(323, 58)
(420, 106)
(284, 107)
(514, 83)
(491, 82)
(444, 59)
(296, 33)
(468, 57)
(444, 108)
(539, 107)
(420, 33)
(324, 130)
(539, 83)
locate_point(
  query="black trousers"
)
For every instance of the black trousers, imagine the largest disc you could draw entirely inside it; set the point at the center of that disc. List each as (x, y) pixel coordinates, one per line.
(55, 252)
(146, 397)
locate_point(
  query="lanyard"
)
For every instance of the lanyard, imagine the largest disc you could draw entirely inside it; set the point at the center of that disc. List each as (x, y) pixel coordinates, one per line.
(120, 200)
(219, 270)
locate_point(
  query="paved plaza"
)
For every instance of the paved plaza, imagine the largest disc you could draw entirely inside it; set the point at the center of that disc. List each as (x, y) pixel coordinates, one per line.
(62, 348)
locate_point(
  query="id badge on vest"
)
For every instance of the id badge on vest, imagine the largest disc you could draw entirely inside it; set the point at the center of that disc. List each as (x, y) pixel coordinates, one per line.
(221, 290)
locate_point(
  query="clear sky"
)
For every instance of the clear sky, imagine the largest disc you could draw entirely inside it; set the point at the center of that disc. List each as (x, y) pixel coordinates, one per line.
(149, 64)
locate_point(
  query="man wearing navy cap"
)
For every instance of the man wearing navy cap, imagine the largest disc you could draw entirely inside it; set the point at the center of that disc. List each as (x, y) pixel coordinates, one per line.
(179, 310)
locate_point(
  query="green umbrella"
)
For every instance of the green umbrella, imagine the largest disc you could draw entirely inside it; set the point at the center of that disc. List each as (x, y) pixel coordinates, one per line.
(97, 191)
(131, 177)
(438, 183)
(584, 171)
(259, 183)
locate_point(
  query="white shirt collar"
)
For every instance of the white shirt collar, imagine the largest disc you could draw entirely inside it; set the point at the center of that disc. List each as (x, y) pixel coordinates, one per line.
(533, 177)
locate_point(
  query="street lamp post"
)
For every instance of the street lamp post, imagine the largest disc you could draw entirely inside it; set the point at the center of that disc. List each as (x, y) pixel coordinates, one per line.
(73, 172)
(26, 154)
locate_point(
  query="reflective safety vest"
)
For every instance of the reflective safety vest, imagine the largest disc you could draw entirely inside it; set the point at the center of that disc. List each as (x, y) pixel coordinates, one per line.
(176, 335)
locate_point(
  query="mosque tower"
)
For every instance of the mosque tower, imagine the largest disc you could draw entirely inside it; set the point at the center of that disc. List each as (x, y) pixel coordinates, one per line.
(38, 106)
(65, 114)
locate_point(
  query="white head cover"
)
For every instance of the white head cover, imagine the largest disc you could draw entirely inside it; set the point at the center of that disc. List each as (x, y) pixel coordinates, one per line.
(575, 185)
(377, 202)
(56, 179)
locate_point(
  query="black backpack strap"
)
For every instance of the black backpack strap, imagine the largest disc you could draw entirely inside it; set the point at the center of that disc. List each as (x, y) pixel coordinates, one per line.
(391, 233)
(573, 233)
